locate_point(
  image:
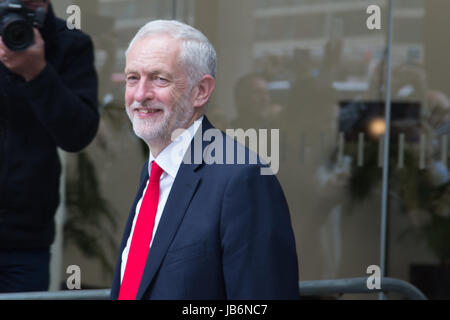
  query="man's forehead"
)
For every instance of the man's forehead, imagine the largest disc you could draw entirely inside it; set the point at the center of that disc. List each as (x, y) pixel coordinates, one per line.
(159, 52)
(156, 43)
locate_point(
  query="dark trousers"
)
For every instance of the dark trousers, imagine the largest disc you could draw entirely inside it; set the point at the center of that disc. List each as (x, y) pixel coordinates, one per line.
(24, 270)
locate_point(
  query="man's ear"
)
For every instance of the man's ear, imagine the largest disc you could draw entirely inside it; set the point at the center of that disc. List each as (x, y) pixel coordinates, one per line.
(203, 90)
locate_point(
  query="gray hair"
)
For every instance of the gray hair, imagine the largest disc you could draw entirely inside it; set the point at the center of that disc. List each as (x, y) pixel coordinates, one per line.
(197, 54)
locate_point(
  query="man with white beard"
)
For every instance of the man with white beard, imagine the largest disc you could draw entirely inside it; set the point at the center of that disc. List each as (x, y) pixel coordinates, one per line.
(197, 230)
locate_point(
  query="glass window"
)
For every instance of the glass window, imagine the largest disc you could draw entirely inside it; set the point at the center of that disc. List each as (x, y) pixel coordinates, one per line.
(315, 71)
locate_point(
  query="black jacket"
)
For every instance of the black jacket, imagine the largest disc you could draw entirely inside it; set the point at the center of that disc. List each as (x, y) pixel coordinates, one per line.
(56, 109)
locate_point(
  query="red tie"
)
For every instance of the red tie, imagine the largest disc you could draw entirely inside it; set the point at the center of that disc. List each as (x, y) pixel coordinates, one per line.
(142, 235)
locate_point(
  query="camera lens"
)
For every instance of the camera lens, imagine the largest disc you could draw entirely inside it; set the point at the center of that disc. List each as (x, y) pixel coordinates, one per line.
(18, 35)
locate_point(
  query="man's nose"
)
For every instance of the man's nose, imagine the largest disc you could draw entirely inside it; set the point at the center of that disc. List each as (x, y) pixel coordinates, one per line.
(144, 91)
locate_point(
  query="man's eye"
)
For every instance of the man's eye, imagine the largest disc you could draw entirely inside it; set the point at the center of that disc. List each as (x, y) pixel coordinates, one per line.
(160, 81)
(131, 79)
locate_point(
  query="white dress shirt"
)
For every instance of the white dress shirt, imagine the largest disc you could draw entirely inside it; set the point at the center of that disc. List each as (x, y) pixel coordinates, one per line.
(169, 160)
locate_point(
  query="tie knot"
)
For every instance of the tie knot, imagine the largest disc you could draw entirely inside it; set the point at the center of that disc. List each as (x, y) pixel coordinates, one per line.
(155, 172)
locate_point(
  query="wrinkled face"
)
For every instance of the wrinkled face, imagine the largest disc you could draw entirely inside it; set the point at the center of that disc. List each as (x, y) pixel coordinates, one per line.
(157, 94)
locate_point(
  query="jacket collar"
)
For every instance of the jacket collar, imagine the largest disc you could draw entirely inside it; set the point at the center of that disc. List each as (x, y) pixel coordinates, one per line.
(181, 194)
(171, 157)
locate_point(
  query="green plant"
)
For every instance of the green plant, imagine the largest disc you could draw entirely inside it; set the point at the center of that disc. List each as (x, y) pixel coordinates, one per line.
(90, 219)
(423, 197)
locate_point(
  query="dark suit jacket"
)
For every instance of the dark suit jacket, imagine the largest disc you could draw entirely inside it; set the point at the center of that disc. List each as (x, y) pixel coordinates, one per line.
(225, 233)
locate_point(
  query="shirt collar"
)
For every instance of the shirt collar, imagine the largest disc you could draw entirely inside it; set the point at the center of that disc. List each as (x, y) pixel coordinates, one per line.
(171, 156)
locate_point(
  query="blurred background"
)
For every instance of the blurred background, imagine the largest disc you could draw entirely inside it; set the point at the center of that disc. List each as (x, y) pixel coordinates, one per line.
(314, 70)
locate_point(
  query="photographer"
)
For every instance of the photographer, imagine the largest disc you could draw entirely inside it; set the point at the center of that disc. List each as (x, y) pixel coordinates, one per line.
(48, 99)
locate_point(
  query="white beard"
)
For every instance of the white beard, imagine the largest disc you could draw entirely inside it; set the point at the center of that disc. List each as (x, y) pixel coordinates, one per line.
(161, 129)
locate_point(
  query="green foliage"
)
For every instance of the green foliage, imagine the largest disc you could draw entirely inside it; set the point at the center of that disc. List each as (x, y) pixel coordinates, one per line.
(416, 189)
(90, 220)
(437, 234)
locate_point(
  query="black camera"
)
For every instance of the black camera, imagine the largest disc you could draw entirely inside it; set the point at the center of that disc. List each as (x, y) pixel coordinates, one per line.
(17, 22)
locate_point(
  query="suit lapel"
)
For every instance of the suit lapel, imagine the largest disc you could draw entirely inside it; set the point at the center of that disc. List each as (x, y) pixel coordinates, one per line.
(181, 194)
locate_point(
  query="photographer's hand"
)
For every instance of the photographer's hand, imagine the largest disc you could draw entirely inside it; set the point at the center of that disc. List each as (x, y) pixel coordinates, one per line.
(28, 63)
